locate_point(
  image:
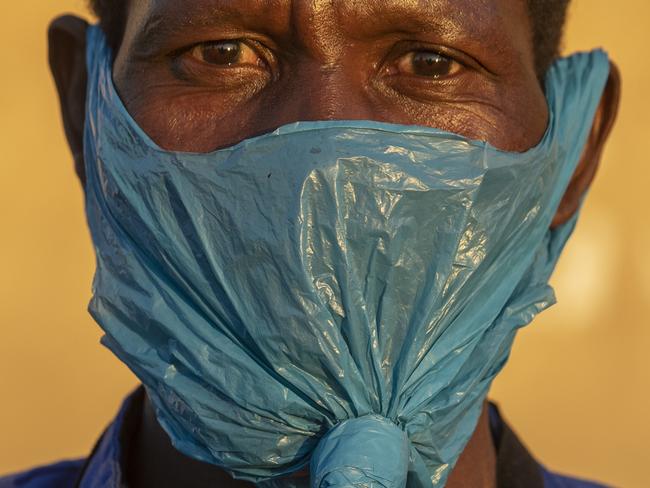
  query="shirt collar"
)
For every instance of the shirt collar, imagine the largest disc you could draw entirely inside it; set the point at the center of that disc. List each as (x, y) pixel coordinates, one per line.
(106, 464)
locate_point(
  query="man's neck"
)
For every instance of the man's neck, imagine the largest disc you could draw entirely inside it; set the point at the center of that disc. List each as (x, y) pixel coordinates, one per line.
(153, 461)
(477, 465)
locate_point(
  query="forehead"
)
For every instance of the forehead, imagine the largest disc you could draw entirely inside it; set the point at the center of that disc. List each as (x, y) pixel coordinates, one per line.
(485, 24)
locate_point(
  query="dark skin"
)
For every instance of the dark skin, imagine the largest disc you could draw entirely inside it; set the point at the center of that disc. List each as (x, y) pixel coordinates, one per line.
(205, 74)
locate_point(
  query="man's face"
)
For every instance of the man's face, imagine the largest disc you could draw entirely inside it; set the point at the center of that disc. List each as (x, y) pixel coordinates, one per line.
(199, 75)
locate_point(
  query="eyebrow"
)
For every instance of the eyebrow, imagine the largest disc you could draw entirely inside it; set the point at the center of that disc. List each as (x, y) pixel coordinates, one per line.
(442, 17)
(171, 19)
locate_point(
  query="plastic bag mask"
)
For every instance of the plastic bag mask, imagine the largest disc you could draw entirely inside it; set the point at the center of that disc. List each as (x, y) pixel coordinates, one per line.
(336, 294)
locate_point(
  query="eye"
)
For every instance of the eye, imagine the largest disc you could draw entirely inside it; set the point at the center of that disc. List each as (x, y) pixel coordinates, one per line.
(226, 53)
(429, 64)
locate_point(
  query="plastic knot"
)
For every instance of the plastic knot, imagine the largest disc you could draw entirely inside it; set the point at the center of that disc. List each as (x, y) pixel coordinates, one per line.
(369, 451)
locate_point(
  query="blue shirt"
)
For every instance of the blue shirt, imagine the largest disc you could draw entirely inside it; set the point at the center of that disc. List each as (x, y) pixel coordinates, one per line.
(105, 466)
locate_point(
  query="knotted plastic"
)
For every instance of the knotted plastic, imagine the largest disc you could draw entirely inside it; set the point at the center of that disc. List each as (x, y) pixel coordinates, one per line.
(369, 451)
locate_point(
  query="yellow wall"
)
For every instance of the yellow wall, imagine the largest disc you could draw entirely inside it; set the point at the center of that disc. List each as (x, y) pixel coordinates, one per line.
(577, 387)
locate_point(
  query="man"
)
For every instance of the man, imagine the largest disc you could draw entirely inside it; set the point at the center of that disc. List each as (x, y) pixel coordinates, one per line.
(202, 75)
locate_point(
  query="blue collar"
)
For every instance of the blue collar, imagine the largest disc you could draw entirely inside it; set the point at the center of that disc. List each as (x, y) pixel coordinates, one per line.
(105, 465)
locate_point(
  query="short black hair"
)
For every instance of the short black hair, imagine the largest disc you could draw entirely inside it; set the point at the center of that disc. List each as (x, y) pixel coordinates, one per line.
(547, 19)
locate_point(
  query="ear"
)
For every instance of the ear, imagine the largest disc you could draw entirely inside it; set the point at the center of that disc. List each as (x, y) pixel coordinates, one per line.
(67, 57)
(590, 159)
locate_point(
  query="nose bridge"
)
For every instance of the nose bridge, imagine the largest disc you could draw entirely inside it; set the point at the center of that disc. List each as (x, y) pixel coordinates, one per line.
(329, 81)
(330, 92)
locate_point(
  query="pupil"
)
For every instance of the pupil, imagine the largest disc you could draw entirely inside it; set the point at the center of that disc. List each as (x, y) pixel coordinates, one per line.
(427, 63)
(225, 53)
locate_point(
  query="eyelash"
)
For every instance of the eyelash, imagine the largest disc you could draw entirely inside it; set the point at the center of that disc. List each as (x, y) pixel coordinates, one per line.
(191, 69)
(394, 56)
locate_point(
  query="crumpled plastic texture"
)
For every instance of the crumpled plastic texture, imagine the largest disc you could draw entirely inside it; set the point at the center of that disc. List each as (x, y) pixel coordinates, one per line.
(339, 293)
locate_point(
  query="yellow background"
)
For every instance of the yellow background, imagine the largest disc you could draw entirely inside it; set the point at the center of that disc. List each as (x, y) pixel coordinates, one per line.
(577, 387)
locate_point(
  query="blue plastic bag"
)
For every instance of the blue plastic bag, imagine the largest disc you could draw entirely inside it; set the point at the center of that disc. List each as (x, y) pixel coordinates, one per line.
(334, 293)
